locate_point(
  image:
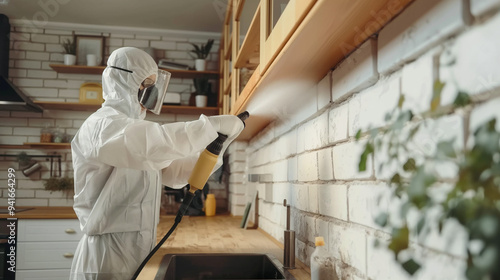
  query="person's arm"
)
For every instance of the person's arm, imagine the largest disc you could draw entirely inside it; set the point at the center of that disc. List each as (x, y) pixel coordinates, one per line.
(177, 173)
(147, 145)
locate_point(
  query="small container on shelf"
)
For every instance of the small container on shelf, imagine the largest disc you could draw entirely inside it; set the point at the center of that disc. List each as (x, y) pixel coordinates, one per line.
(46, 135)
(58, 136)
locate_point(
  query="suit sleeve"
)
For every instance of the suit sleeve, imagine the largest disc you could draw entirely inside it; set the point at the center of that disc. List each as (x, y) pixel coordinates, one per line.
(145, 145)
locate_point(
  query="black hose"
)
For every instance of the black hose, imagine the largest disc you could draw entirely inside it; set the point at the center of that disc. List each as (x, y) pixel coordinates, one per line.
(182, 210)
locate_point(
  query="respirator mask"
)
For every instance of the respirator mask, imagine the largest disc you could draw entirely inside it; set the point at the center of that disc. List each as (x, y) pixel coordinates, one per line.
(153, 92)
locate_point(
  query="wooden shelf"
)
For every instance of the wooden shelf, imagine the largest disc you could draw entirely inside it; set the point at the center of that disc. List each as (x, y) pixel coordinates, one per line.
(76, 106)
(48, 145)
(77, 69)
(13, 147)
(168, 109)
(34, 146)
(97, 70)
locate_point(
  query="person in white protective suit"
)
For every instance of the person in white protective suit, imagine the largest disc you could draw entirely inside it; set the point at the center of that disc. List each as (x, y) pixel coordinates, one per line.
(121, 161)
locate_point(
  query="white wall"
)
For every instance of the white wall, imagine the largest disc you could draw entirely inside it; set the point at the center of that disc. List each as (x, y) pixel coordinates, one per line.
(312, 156)
(32, 50)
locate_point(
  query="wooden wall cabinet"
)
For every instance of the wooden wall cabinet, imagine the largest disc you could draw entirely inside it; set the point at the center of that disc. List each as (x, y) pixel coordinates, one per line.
(272, 39)
(309, 39)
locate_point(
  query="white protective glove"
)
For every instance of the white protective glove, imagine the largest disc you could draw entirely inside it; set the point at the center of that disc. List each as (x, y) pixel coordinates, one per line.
(227, 124)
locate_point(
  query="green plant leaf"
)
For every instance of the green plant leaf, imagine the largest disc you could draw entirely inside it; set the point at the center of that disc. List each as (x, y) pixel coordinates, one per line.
(401, 101)
(388, 117)
(417, 189)
(446, 149)
(196, 48)
(396, 179)
(487, 259)
(420, 224)
(404, 209)
(382, 219)
(464, 211)
(358, 134)
(474, 273)
(488, 225)
(401, 120)
(400, 239)
(364, 156)
(411, 266)
(462, 99)
(410, 165)
(436, 95)
(440, 226)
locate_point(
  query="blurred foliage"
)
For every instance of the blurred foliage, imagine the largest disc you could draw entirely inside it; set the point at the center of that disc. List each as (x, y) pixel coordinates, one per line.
(474, 196)
(64, 184)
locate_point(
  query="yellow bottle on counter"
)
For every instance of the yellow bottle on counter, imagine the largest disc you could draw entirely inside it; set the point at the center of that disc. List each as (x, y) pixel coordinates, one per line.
(210, 205)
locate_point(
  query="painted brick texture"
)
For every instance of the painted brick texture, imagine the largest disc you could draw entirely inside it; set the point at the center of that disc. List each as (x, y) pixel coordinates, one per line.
(430, 40)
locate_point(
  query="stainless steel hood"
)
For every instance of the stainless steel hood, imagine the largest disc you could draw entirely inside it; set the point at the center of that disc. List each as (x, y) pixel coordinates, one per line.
(11, 97)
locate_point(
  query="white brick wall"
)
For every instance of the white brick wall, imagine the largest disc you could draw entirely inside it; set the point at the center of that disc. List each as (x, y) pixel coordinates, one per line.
(479, 7)
(422, 25)
(474, 73)
(328, 195)
(346, 161)
(357, 72)
(338, 123)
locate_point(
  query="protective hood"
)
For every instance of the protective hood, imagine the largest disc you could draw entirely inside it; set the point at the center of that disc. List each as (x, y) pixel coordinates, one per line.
(127, 68)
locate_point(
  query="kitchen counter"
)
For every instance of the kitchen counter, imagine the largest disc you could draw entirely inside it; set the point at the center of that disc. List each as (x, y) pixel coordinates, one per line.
(37, 212)
(218, 234)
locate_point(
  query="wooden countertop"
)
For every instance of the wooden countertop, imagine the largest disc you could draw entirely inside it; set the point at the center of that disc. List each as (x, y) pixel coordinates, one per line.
(218, 234)
(42, 213)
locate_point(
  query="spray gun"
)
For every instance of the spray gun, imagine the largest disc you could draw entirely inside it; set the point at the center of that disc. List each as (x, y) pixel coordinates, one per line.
(203, 168)
(199, 177)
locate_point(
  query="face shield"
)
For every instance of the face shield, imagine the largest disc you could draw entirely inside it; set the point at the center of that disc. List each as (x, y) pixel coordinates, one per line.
(153, 92)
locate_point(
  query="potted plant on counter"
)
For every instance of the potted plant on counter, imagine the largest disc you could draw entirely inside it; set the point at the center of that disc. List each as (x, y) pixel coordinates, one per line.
(70, 52)
(201, 53)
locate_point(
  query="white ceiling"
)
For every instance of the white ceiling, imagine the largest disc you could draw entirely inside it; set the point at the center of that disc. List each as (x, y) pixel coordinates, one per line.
(189, 15)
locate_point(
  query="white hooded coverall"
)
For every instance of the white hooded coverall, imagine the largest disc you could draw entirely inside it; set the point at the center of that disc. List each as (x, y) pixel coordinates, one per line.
(120, 162)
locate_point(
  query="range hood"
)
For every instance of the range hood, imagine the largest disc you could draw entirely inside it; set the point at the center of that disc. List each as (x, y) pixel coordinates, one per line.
(11, 97)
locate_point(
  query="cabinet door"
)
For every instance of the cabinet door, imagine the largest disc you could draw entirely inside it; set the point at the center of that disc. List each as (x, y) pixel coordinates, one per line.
(273, 36)
(49, 230)
(51, 274)
(45, 255)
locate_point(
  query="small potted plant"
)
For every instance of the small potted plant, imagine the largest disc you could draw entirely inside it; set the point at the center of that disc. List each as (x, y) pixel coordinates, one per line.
(202, 87)
(201, 53)
(70, 52)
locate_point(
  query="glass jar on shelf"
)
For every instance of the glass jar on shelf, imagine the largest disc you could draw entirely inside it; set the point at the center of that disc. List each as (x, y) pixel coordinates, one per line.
(58, 135)
(46, 135)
